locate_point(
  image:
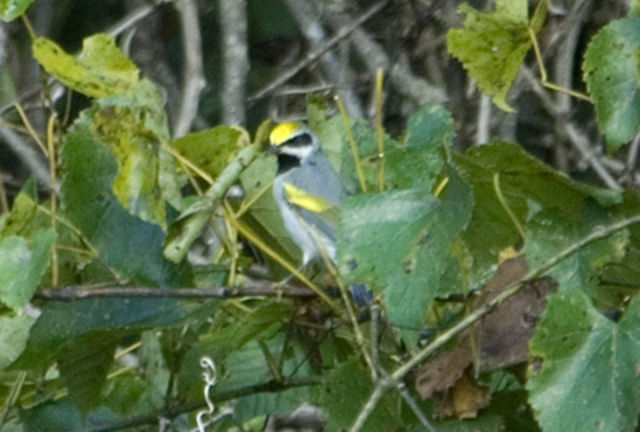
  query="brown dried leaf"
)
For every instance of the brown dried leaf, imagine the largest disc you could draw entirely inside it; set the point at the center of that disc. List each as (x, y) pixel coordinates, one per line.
(444, 370)
(502, 336)
(499, 339)
(463, 400)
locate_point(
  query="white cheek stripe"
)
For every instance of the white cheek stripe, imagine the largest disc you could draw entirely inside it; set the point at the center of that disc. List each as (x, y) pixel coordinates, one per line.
(299, 152)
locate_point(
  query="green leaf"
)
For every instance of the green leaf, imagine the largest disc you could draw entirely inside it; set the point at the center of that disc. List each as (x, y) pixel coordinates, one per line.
(316, 109)
(131, 246)
(155, 368)
(84, 368)
(65, 328)
(212, 149)
(247, 367)
(417, 161)
(22, 265)
(344, 393)
(12, 9)
(588, 378)
(335, 143)
(56, 416)
(619, 281)
(263, 323)
(492, 45)
(27, 218)
(100, 70)
(611, 71)
(527, 185)
(23, 219)
(134, 128)
(548, 234)
(128, 395)
(399, 243)
(14, 332)
(634, 8)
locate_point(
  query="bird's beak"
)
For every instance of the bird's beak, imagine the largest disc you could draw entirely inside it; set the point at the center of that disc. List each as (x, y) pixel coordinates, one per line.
(273, 149)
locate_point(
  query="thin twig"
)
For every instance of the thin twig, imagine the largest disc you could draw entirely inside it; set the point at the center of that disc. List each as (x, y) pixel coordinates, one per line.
(379, 128)
(352, 144)
(581, 143)
(505, 205)
(32, 158)
(543, 72)
(253, 289)
(354, 321)
(379, 391)
(134, 17)
(375, 332)
(52, 172)
(192, 80)
(315, 54)
(410, 400)
(32, 131)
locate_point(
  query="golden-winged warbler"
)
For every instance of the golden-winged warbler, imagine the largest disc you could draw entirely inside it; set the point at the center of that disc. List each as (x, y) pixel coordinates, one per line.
(308, 192)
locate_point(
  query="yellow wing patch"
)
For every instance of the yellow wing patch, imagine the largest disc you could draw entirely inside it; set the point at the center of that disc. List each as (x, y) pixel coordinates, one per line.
(302, 199)
(283, 132)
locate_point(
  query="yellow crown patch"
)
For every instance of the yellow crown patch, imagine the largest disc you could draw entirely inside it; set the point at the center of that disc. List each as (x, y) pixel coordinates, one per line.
(283, 132)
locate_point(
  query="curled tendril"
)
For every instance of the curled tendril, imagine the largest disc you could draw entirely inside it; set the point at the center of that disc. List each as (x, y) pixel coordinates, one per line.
(210, 377)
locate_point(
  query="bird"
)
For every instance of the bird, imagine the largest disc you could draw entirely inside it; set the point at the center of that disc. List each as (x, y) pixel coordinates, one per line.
(308, 193)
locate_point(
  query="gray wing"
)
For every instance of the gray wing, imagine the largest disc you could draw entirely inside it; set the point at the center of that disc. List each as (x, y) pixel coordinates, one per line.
(319, 178)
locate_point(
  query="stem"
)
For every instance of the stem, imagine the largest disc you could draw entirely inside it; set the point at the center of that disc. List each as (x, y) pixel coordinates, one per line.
(352, 144)
(543, 72)
(505, 205)
(379, 130)
(52, 172)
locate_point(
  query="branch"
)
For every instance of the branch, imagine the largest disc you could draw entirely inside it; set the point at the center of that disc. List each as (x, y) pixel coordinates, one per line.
(400, 76)
(196, 217)
(253, 289)
(336, 69)
(315, 54)
(192, 81)
(33, 159)
(233, 21)
(134, 17)
(267, 387)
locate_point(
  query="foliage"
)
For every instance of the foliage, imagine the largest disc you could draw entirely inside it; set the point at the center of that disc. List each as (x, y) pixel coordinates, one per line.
(11, 9)
(610, 70)
(94, 330)
(492, 45)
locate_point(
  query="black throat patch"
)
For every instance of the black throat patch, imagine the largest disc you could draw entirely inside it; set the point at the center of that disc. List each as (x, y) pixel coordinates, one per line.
(287, 162)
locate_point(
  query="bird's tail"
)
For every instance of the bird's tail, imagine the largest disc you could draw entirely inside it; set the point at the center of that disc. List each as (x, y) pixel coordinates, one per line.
(361, 295)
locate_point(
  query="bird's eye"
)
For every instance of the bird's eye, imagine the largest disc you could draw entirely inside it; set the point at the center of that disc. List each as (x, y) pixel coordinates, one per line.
(304, 139)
